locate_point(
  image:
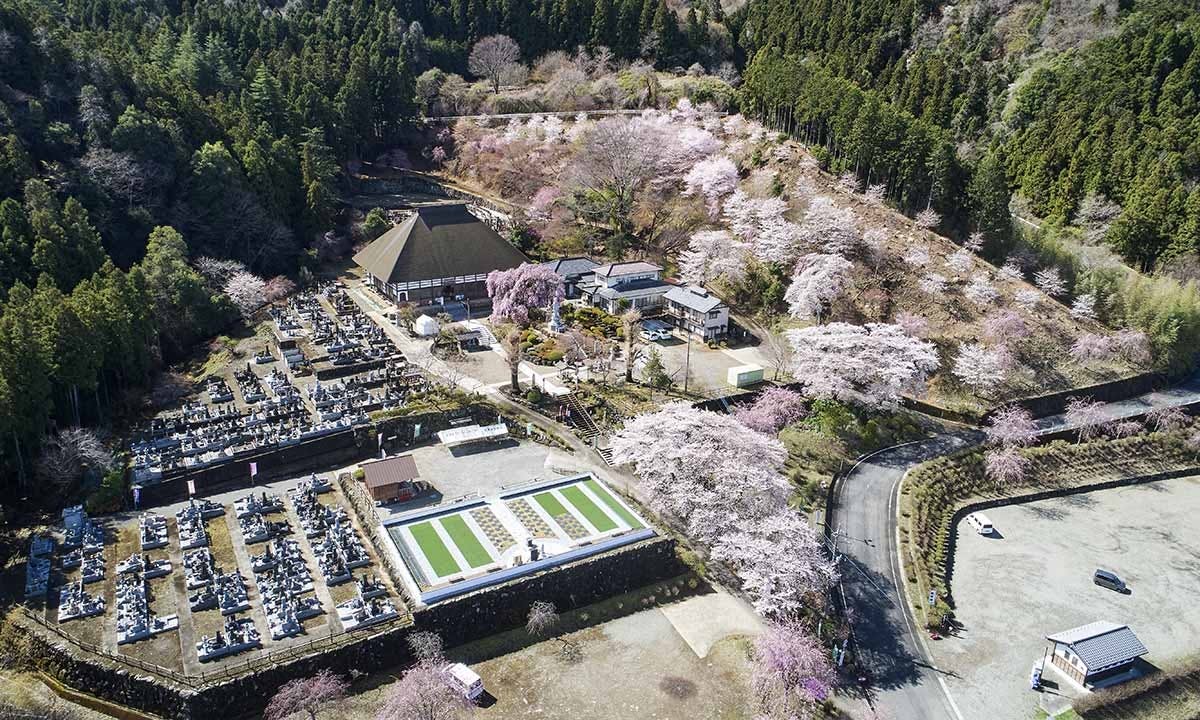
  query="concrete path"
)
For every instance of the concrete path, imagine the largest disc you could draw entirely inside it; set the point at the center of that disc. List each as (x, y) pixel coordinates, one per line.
(704, 620)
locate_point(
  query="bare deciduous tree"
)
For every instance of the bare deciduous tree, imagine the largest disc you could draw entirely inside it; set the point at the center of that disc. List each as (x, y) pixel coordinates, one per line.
(493, 57)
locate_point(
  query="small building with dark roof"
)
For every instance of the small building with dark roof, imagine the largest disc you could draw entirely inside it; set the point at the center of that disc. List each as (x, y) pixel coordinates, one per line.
(573, 271)
(1097, 654)
(391, 479)
(441, 251)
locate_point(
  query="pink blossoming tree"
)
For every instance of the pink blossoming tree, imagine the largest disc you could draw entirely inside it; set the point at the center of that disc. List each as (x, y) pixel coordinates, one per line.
(1011, 426)
(774, 409)
(307, 695)
(791, 673)
(517, 291)
(712, 179)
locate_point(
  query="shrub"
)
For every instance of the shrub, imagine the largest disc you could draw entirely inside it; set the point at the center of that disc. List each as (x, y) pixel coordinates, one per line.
(534, 396)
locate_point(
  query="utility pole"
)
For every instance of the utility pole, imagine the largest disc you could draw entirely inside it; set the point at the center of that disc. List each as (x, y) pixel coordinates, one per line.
(687, 361)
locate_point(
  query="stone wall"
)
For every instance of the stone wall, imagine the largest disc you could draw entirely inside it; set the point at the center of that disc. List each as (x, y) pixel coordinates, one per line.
(461, 620)
(329, 451)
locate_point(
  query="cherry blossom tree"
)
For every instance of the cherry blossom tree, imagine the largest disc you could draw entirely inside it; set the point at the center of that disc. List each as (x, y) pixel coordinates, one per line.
(974, 242)
(818, 280)
(779, 559)
(1090, 349)
(711, 178)
(870, 364)
(1086, 416)
(1167, 419)
(542, 619)
(1010, 426)
(1084, 307)
(517, 291)
(980, 368)
(761, 224)
(828, 227)
(712, 254)
(703, 470)
(875, 194)
(1028, 298)
(307, 695)
(774, 409)
(961, 261)
(541, 206)
(217, 272)
(849, 182)
(1012, 269)
(1132, 346)
(1006, 466)
(1124, 428)
(247, 291)
(278, 288)
(427, 647)
(791, 673)
(981, 291)
(1050, 282)
(912, 324)
(928, 219)
(933, 284)
(422, 693)
(1004, 326)
(917, 256)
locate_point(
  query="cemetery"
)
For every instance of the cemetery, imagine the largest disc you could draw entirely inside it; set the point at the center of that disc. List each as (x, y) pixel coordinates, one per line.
(452, 549)
(238, 635)
(324, 368)
(134, 620)
(152, 529)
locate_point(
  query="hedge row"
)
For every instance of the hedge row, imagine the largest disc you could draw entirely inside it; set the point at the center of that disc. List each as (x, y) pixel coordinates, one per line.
(938, 488)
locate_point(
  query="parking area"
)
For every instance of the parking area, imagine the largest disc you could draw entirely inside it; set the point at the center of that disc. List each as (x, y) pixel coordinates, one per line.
(1034, 578)
(481, 469)
(706, 368)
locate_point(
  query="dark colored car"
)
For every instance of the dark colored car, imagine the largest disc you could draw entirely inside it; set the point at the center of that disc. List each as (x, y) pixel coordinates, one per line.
(1104, 578)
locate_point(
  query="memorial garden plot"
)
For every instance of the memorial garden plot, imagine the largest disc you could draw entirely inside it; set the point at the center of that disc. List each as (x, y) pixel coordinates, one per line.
(483, 541)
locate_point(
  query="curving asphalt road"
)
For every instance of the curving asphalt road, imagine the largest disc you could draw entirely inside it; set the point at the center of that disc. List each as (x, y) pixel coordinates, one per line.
(903, 681)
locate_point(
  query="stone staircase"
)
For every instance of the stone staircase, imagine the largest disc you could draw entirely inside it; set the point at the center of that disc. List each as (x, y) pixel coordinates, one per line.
(588, 430)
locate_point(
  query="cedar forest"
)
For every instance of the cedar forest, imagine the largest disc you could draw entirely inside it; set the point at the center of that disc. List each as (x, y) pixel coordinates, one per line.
(137, 139)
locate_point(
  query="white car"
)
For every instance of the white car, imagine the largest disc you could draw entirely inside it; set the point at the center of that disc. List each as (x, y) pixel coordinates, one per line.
(655, 335)
(463, 680)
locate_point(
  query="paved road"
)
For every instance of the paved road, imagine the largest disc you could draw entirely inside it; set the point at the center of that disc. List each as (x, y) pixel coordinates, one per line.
(865, 517)
(904, 682)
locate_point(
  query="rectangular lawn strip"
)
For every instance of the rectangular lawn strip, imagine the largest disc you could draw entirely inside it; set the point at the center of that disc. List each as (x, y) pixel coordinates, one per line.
(550, 504)
(613, 504)
(465, 539)
(435, 550)
(597, 517)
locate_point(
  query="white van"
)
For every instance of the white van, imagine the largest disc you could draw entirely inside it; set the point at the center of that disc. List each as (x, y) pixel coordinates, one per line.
(463, 680)
(980, 522)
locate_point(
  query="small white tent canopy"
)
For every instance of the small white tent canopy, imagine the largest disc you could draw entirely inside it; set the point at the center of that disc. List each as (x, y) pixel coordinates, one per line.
(425, 326)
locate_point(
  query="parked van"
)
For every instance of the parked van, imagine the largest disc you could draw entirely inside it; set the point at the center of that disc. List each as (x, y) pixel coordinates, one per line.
(463, 680)
(1104, 578)
(980, 523)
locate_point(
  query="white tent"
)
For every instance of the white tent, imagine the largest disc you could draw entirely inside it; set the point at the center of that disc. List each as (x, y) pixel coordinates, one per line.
(425, 326)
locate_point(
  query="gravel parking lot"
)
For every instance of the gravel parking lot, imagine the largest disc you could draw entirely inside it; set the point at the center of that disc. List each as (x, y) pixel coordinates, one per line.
(1035, 579)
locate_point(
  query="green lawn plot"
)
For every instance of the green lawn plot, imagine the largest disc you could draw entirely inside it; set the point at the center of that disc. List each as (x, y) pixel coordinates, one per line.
(597, 517)
(574, 529)
(613, 504)
(466, 541)
(436, 553)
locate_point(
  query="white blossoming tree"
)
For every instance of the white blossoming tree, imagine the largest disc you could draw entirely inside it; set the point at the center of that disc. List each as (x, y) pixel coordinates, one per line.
(980, 368)
(819, 279)
(871, 364)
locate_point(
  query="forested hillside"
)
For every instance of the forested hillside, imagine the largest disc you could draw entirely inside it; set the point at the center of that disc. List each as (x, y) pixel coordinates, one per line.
(1104, 134)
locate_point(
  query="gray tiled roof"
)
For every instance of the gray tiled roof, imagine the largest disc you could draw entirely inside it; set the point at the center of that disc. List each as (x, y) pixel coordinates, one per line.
(630, 287)
(626, 268)
(693, 298)
(1101, 644)
(572, 266)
